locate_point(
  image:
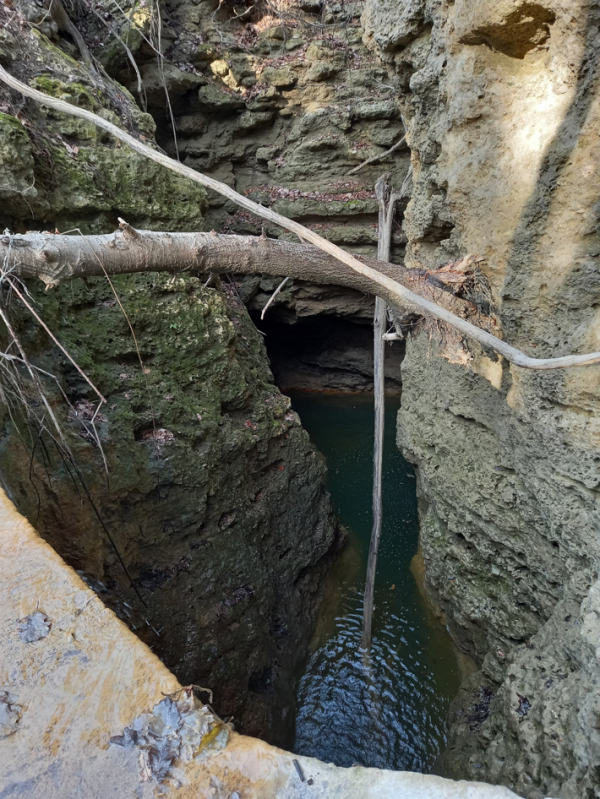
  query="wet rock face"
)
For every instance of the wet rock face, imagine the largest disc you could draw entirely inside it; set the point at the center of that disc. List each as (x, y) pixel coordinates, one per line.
(501, 104)
(211, 532)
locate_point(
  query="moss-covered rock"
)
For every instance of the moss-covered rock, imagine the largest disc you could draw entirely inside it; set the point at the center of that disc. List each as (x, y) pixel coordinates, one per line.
(214, 496)
(17, 181)
(102, 183)
(58, 171)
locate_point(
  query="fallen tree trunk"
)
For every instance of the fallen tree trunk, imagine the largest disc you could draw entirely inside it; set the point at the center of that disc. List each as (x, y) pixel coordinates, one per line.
(54, 258)
(380, 284)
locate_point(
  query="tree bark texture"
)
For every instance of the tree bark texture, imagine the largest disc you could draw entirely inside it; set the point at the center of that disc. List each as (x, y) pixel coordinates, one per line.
(54, 258)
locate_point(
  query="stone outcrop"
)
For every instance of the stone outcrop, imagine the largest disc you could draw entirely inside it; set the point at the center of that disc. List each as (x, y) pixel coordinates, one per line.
(61, 172)
(214, 497)
(502, 109)
(88, 711)
(209, 531)
(281, 108)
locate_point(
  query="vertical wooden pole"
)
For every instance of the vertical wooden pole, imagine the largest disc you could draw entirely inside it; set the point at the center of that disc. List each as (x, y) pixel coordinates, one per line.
(379, 325)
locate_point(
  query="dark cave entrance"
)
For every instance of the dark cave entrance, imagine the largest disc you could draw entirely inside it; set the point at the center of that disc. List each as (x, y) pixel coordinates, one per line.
(326, 353)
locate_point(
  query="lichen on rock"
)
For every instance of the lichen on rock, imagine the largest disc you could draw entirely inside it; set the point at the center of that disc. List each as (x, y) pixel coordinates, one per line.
(177, 730)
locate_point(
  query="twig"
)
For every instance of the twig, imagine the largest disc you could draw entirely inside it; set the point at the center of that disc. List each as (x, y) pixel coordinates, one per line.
(34, 378)
(161, 69)
(53, 337)
(298, 768)
(273, 295)
(378, 157)
(64, 22)
(127, 50)
(243, 14)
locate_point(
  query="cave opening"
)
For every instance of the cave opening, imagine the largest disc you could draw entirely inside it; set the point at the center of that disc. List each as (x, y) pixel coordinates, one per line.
(326, 352)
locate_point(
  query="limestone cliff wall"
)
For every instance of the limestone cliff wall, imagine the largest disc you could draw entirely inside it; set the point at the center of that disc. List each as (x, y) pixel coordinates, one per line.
(210, 530)
(501, 102)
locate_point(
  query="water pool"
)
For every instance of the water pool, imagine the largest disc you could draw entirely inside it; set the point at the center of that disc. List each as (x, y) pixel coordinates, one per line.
(389, 711)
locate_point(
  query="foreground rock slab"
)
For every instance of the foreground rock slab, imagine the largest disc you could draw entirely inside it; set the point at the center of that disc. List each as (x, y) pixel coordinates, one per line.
(72, 676)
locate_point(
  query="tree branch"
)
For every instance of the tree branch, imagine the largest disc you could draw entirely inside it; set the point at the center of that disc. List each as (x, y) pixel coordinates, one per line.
(54, 258)
(372, 160)
(380, 284)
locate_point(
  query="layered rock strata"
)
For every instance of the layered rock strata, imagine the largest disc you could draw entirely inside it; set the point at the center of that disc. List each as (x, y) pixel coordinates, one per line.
(281, 102)
(501, 103)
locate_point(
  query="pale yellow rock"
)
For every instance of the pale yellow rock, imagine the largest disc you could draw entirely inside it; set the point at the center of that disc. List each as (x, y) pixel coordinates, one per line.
(66, 694)
(503, 115)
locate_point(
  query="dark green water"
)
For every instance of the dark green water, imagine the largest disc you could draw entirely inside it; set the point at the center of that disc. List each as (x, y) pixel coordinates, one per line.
(389, 712)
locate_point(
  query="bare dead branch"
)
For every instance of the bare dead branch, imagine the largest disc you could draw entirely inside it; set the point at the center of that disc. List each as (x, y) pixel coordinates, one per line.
(54, 258)
(382, 191)
(53, 337)
(380, 284)
(375, 158)
(273, 295)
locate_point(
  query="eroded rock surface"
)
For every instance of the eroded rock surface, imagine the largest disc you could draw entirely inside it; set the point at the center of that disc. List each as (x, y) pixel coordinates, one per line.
(502, 109)
(192, 502)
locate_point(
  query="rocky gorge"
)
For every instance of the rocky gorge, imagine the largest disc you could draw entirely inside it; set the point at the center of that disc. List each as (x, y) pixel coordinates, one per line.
(197, 441)
(498, 103)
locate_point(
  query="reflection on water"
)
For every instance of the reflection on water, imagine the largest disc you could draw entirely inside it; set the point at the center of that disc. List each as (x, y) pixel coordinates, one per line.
(388, 712)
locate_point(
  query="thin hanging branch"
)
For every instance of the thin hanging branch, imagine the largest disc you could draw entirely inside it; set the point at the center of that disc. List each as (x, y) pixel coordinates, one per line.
(64, 23)
(273, 295)
(375, 158)
(381, 285)
(386, 206)
(54, 339)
